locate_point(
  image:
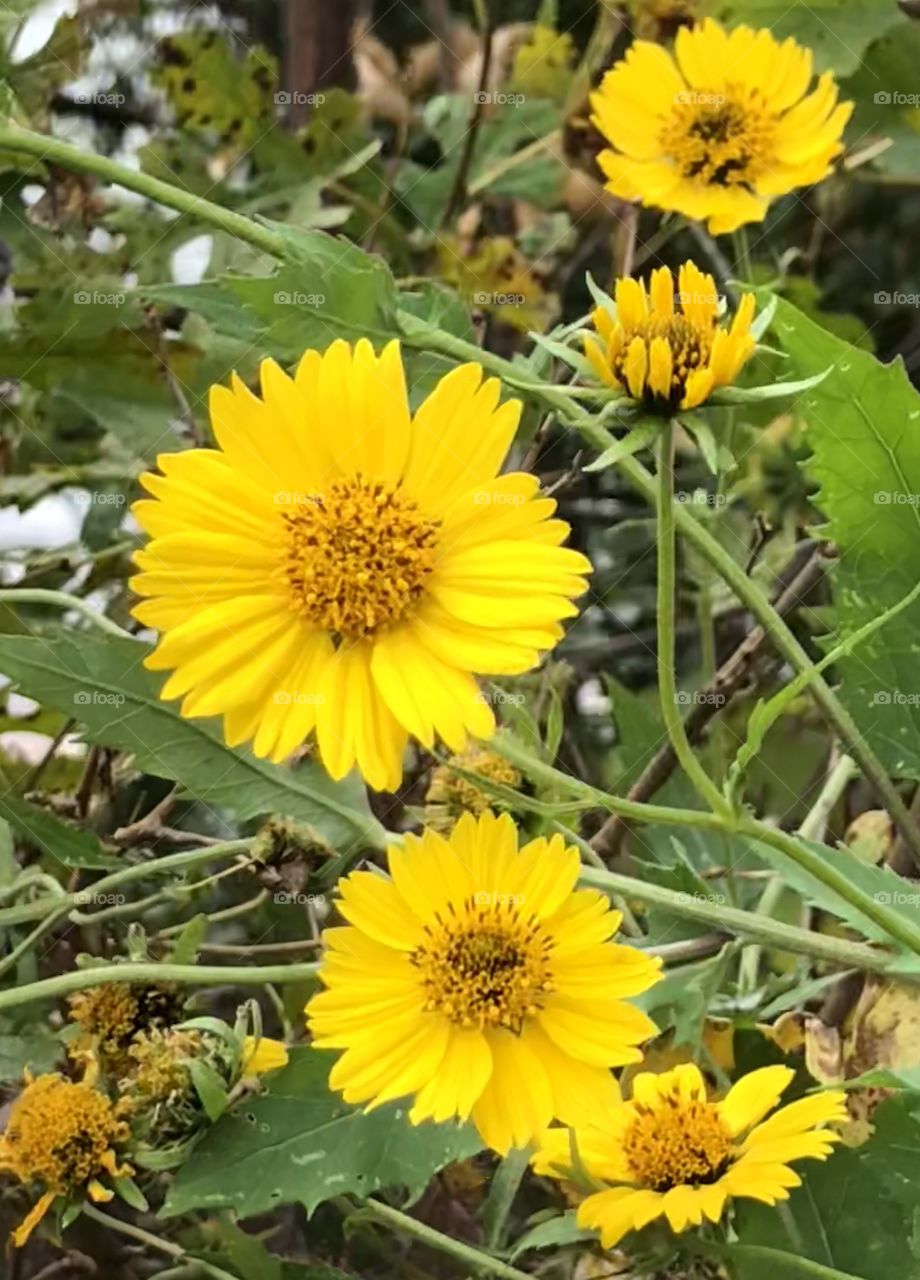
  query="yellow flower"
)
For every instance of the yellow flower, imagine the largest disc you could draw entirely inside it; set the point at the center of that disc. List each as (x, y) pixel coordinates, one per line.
(261, 1055)
(670, 352)
(673, 1152)
(720, 129)
(480, 981)
(339, 564)
(61, 1138)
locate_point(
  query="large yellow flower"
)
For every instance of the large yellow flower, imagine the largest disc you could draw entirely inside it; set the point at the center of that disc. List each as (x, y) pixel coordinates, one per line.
(720, 129)
(479, 980)
(61, 1140)
(670, 352)
(671, 1151)
(342, 565)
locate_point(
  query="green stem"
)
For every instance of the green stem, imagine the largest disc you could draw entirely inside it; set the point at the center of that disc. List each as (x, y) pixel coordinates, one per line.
(147, 1238)
(42, 907)
(56, 151)
(811, 828)
(783, 1264)
(667, 585)
(61, 600)
(898, 927)
(191, 975)
(462, 1253)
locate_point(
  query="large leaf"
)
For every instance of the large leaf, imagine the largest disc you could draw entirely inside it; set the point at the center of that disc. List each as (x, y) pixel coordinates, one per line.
(325, 288)
(102, 682)
(828, 1215)
(863, 427)
(300, 1144)
(885, 92)
(838, 31)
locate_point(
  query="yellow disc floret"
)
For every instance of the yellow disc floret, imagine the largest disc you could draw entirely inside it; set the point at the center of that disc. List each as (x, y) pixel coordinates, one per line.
(357, 557)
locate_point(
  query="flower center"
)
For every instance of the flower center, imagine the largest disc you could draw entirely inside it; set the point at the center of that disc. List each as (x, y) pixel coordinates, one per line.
(357, 557)
(486, 965)
(723, 139)
(60, 1133)
(677, 1143)
(690, 348)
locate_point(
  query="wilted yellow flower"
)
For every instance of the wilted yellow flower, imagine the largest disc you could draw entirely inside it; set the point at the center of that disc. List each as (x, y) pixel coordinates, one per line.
(111, 1015)
(342, 565)
(450, 795)
(482, 983)
(721, 128)
(670, 352)
(671, 1151)
(61, 1139)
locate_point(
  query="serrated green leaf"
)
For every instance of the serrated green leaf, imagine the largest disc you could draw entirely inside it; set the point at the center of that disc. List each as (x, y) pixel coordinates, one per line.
(300, 1144)
(53, 837)
(863, 428)
(768, 391)
(101, 681)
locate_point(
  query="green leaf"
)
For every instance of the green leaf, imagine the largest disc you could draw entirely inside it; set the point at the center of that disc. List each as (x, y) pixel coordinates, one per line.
(828, 1213)
(209, 1087)
(638, 438)
(300, 1144)
(101, 680)
(52, 836)
(551, 1233)
(768, 391)
(863, 427)
(885, 90)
